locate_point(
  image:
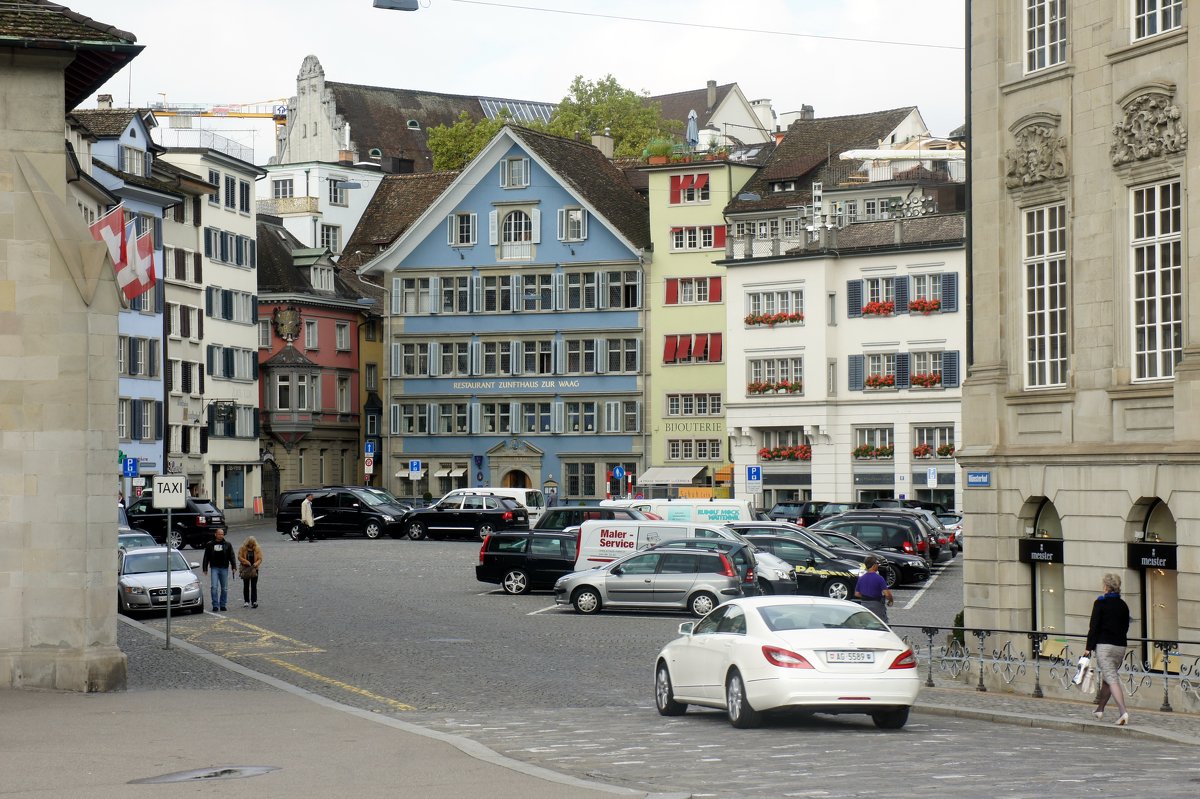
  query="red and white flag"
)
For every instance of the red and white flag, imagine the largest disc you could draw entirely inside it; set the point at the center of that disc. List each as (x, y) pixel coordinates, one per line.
(135, 275)
(109, 230)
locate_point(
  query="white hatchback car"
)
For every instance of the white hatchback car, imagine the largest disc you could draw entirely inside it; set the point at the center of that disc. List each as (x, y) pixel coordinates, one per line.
(803, 653)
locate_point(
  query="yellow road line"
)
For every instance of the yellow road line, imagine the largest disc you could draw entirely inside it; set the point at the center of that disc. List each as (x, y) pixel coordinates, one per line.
(354, 689)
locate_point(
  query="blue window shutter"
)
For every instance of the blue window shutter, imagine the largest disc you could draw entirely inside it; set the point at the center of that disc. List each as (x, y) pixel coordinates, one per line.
(146, 168)
(254, 309)
(201, 370)
(224, 247)
(159, 290)
(949, 292)
(158, 239)
(253, 253)
(120, 158)
(901, 291)
(158, 419)
(135, 420)
(256, 427)
(226, 304)
(212, 419)
(228, 353)
(902, 370)
(211, 358)
(854, 303)
(208, 248)
(857, 364)
(950, 376)
(208, 301)
(135, 368)
(254, 368)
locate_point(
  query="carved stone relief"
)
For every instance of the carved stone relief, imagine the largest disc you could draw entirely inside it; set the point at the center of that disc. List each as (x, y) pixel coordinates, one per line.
(1152, 127)
(1040, 154)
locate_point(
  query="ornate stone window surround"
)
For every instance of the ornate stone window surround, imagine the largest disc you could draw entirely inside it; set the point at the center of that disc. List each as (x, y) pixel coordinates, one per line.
(1151, 128)
(1037, 163)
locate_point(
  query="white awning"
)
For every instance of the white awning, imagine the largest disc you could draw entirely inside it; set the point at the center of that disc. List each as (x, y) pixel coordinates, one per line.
(458, 473)
(442, 473)
(411, 475)
(669, 475)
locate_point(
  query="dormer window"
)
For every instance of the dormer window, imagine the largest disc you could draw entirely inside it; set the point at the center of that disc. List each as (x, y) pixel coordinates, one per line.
(514, 173)
(321, 278)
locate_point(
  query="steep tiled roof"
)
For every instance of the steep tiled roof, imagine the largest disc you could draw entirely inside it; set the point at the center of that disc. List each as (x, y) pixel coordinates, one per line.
(809, 152)
(137, 180)
(277, 270)
(290, 356)
(596, 180)
(398, 202)
(105, 122)
(676, 106)
(379, 117)
(100, 50)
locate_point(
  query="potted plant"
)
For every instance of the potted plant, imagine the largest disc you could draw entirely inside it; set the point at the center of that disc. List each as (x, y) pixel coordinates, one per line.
(880, 381)
(885, 452)
(926, 379)
(922, 451)
(925, 307)
(945, 450)
(658, 151)
(863, 451)
(759, 387)
(886, 308)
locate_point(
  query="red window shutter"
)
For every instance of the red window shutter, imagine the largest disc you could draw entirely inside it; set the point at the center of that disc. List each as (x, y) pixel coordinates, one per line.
(685, 347)
(686, 181)
(701, 349)
(672, 291)
(719, 236)
(714, 289)
(669, 349)
(714, 348)
(675, 190)
(701, 181)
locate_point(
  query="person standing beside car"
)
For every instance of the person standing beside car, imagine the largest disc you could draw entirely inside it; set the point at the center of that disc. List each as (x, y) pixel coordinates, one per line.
(307, 521)
(1107, 633)
(872, 589)
(250, 558)
(219, 554)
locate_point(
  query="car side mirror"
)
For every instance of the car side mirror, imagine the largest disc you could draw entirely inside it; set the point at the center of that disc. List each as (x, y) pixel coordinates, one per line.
(811, 562)
(618, 571)
(194, 565)
(686, 627)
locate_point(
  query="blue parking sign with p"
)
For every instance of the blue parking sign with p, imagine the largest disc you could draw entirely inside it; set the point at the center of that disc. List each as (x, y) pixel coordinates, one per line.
(754, 474)
(129, 467)
(414, 466)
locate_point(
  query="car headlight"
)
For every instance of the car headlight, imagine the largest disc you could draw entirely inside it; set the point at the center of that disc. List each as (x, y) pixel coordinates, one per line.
(858, 572)
(194, 585)
(388, 519)
(133, 589)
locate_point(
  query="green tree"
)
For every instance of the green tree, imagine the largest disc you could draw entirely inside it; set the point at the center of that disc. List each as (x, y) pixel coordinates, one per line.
(455, 145)
(631, 118)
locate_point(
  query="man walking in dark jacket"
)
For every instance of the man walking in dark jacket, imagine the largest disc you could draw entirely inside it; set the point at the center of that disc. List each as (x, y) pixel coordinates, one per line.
(219, 554)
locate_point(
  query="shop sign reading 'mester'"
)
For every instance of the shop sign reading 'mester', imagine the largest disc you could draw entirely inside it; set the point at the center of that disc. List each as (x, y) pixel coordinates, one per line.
(1151, 556)
(1041, 550)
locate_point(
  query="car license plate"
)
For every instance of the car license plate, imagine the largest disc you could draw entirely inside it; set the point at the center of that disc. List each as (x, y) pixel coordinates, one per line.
(849, 657)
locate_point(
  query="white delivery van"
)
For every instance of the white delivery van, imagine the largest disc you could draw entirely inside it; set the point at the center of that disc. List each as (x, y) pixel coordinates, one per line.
(691, 510)
(603, 541)
(532, 498)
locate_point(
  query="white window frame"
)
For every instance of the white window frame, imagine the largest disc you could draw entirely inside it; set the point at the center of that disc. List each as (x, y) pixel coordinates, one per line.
(282, 188)
(342, 336)
(1155, 17)
(331, 238)
(879, 289)
(462, 229)
(1045, 34)
(1157, 218)
(338, 196)
(310, 334)
(1045, 262)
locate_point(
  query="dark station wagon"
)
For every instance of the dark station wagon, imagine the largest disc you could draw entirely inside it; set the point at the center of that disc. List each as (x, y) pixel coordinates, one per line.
(524, 561)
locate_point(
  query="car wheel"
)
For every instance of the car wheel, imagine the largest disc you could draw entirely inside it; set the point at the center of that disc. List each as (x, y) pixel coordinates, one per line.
(175, 538)
(891, 575)
(416, 531)
(485, 530)
(890, 719)
(765, 588)
(372, 530)
(702, 604)
(837, 589)
(515, 582)
(198, 609)
(586, 600)
(741, 715)
(664, 694)
(294, 533)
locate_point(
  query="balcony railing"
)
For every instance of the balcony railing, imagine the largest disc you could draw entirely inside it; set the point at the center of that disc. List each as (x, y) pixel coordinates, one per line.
(969, 653)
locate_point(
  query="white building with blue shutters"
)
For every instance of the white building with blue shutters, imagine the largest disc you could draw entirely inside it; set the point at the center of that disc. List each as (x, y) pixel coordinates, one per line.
(846, 323)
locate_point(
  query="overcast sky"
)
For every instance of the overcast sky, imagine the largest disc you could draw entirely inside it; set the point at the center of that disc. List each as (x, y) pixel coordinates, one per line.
(839, 56)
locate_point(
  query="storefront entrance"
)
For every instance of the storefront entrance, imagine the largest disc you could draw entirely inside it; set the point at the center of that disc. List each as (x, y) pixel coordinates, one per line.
(516, 479)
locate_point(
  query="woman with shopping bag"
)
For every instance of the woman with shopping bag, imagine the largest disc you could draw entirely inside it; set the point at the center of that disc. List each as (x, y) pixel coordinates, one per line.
(1107, 641)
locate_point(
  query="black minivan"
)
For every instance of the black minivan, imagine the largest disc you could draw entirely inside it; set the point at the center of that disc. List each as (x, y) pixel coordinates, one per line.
(520, 561)
(343, 510)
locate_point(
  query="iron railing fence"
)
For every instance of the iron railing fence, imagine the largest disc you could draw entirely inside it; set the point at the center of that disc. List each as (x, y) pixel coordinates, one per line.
(1052, 658)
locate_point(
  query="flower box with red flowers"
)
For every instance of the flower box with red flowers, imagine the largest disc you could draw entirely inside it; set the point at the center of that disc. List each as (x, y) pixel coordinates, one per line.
(772, 319)
(926, 379)
(922, 451)
(945, 450)
(760, 387)
(798, 452)
(924, 306)
(879, 308)
(880, 381)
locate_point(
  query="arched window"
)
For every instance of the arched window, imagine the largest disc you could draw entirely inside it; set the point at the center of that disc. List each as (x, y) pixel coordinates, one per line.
(1050, 614)
(516, 236)
(1160, 590)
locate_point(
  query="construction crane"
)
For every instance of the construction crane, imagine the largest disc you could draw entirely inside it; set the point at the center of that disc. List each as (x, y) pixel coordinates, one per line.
(274, 109)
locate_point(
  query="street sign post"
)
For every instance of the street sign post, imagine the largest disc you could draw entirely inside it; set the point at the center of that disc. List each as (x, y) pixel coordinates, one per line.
(754, 479)
(369, 464)
(369, 448)
(931, 477)
(170, 492)
(129, 467)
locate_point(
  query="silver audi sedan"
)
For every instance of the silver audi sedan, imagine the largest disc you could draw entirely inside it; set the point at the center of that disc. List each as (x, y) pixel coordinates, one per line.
(142, 581)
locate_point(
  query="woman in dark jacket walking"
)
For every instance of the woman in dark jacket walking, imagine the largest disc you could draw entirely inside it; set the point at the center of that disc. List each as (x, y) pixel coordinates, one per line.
(1106, 638)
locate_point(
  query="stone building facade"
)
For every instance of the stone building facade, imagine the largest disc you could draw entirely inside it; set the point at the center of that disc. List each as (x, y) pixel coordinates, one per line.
(1081, 442)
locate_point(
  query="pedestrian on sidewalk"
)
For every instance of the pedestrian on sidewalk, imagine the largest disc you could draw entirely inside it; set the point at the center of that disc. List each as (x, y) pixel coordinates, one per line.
(872, 589)
(1107, 638)
(219, 554)
(250, 558)
(308, 525)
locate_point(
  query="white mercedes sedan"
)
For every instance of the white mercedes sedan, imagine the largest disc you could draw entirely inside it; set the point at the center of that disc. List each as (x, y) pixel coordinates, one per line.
(805, 653)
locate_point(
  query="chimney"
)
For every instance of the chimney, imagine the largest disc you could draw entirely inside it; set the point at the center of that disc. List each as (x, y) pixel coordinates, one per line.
(712, 94)
(806, 112)
(104, 102)
(604, 143)
(899, 230)
(765, 113)
(346, 156)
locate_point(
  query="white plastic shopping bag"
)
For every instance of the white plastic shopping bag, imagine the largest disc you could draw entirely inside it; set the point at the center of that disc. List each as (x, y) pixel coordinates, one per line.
(1083, 667)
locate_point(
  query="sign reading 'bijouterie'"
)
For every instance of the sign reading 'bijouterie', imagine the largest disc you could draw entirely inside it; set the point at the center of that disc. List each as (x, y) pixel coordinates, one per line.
(1041, 550)
(1151, 556)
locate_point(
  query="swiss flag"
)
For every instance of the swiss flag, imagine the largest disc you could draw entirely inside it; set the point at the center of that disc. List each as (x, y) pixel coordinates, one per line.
(109, 230)
(135, 274)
